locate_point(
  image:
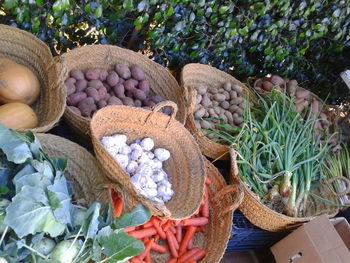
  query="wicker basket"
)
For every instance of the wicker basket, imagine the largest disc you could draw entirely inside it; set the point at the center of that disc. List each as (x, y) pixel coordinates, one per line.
(105, 57)
(262, 216)
(185, 167)
(194, 75)
(83, 169)
(24, 48)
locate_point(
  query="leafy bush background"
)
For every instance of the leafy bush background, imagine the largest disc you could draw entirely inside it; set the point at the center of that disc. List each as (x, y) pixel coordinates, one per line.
(306, 40)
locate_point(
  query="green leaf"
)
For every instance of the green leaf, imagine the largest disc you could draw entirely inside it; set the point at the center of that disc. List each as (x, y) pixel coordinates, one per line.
(88, 8)
(15, 149)
(170, 11)
(128, 5)
(119, 246)
(233, 32)
(157, 16)
(138, 21)
(91, 222)
(9, 4)
(3, 190)
(30, 213)
(98, 12)
(223, 9)
(138, 216)
(59, 164)
(38, 180)
(39, 2)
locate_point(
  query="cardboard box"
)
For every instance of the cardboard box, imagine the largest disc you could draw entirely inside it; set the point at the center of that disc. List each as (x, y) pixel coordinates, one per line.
(318, 241)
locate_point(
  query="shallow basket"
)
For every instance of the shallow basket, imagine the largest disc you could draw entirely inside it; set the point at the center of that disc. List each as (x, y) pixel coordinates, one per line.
(194, 75)
(24, 48)
(264, 217)
(83, 171)
(185, 166)
(160, 80)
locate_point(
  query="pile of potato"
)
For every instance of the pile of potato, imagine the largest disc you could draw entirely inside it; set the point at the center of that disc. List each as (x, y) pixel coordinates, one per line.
(96, 88)
(225, 104)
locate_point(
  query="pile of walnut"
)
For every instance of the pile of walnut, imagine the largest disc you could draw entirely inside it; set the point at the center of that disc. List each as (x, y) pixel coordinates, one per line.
(224, 103)
(304, 100)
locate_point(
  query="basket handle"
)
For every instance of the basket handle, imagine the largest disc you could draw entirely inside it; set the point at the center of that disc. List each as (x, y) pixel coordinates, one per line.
(160, 106)
(234, 191)
(340, 178)
(234, 168)
(61, 63)
(190, 94)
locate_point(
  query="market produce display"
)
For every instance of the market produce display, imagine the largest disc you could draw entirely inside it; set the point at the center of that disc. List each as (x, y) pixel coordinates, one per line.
(19, 88)
(176, 235)
(214, 105)
(95, 88)
(143, 164)
(40, 222)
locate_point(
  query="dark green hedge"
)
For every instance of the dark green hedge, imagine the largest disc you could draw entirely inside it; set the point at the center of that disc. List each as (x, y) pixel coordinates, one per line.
(307, 40)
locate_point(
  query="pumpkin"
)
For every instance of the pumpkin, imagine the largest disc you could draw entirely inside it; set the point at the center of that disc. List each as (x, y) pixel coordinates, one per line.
(18, 116)
(17, 83)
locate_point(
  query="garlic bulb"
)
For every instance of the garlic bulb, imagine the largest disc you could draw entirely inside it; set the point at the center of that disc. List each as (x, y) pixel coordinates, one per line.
(147, 144)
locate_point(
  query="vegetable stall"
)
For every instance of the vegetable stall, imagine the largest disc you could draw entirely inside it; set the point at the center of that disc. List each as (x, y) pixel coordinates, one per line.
(148, 190)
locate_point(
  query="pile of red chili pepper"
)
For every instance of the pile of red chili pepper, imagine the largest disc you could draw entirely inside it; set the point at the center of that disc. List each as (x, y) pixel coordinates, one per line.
(178, 234)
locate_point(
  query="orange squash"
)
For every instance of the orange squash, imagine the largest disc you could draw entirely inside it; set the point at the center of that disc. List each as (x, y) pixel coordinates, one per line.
(17, 83)
(18, 116)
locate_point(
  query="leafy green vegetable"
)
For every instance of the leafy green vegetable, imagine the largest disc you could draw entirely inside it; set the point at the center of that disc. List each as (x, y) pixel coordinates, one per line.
(138, 216)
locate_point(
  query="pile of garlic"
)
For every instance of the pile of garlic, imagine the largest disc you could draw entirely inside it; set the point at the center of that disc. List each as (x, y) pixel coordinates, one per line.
(142, 164)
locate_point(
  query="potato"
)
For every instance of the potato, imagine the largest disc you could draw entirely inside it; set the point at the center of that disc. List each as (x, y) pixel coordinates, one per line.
(215, 103)
(128, 101)
(138, 103)
(229, 116)
(227, 86)
(86, 106)
(197, 124)
(119, 91)
(206, 115)
(211, 112)
(95, 83)
(227, 95)
(77, 74)
(75, 98)
(112, 78)
(267, 85)
(197, 107)
(200, 113)
(114, 101)
(144, 86)
(103, 75)
(130, 84)
(202, 90)
(217, 110)
(123, 71)
(233, 108)
(206, 102)
(112, 93)
(121, 80)
(93, 93)
(236, 101)
(213, 90)
(242, 104)
(81, 85)
(219, 97)
(137, 73)
(240, 111)
(277, 80)
(220, 90)
(292, 86)
(237, 119)
(129, 94)
(233, 94)
(107, 96)
(157, 99)
(223, 117)
(75, 110)
(205, 124)
(102, 92)
(198, 99)
(70, 80)
(149, 103)
(139, 94)
(101, 104)
(92, 74)
(70, 88)
(302, 94)
(225, 105)
(106, 86)
(237, 88)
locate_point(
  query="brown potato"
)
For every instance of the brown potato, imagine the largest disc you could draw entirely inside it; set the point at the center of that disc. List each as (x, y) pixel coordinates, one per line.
(237, 101)
(198, 99)
(70, 80)
(144, 86)
(240, 111)
(233, 94)
(102, 92)
(149, 103)
(86, 106)
(130, 84)
(206, 102)
(139, 94)
(92, 74)
(227, 95)
(237, 119)
(223, 117)
(77, 74)
(267, 85)
(197, 124)
(202, 90)
(81, 85)
(128, 101)
(227, 86)
(119, 91)
(70, 88)
(233, 108)
(237, 88)
(137, 73)
(114, 101)
(103, 75)
(229, 117)
(205, 124)
(200, 113)
(302, 94)
(75, 110)
(123, 71)
(112, 78)
(217, 110)
(277, 80)
(75, 98)
(219, 97)
(225, 104)
(138, 103)
(101, 104)
(292, 86)
(93, 93)
(95, 83)
(215, 103)
(213, 90)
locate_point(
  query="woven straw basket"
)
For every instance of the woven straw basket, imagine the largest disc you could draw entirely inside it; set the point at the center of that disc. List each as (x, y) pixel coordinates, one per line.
(194, 75)
(26, 49)
(185, 166)
(262, 216)
(106, 57)
(83, 169)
